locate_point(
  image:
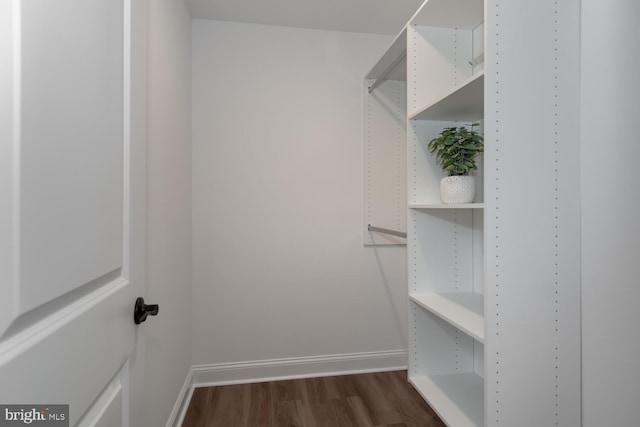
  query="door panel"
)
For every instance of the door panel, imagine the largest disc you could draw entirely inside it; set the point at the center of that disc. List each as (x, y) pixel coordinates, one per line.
(71, 189)
(71, 356)
(108, 408)
(71, 145)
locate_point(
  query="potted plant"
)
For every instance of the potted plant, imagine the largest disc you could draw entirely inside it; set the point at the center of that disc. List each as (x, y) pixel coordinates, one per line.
(456, 150)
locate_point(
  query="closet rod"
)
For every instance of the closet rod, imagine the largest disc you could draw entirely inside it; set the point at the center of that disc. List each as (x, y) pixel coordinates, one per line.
(386, 231)
(381, 79)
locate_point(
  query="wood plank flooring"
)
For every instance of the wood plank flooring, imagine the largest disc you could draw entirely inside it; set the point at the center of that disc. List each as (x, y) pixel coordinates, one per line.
(383, 399)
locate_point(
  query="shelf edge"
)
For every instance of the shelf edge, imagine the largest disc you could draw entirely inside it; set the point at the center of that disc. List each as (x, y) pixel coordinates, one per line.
(445, 405)
(427, 206)
(396, 50)
(468, 327)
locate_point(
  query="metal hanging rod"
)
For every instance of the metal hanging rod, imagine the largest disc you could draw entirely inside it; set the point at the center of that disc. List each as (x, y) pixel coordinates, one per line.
(382, 77)
(386, 231)
(477, 61)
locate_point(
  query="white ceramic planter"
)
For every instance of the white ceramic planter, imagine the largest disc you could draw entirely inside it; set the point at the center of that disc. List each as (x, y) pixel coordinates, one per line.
(457, 189)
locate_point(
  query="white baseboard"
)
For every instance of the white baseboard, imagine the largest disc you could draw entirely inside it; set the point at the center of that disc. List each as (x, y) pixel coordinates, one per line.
(298, 367)
(180, 407)
(283, 369)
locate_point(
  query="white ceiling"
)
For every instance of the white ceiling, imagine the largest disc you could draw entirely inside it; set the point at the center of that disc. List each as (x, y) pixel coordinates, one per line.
(364, 16)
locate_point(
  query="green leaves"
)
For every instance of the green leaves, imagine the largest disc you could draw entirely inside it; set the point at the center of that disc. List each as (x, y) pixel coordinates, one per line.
(456, 149)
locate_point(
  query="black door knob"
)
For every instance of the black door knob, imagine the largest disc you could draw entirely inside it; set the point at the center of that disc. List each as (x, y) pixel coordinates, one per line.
(142, 310)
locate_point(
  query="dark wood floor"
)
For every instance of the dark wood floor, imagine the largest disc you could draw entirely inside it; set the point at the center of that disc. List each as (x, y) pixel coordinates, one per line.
(368, 400)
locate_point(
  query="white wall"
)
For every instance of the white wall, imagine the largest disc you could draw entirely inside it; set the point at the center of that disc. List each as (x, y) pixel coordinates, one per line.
(610, 204)
(278, 262)
(167, 337)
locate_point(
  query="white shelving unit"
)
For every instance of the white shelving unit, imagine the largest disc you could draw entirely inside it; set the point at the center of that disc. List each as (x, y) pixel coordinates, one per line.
(494, 285)
(445, 242)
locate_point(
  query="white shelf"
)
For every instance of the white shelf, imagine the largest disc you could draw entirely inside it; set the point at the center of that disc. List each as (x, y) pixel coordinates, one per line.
(464, 103)
(393, 64)
(464, 310)
(462, 14)
(457, 398)
(426, 206)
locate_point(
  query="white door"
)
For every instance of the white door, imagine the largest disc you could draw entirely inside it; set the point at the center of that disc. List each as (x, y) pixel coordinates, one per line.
(71, 204)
